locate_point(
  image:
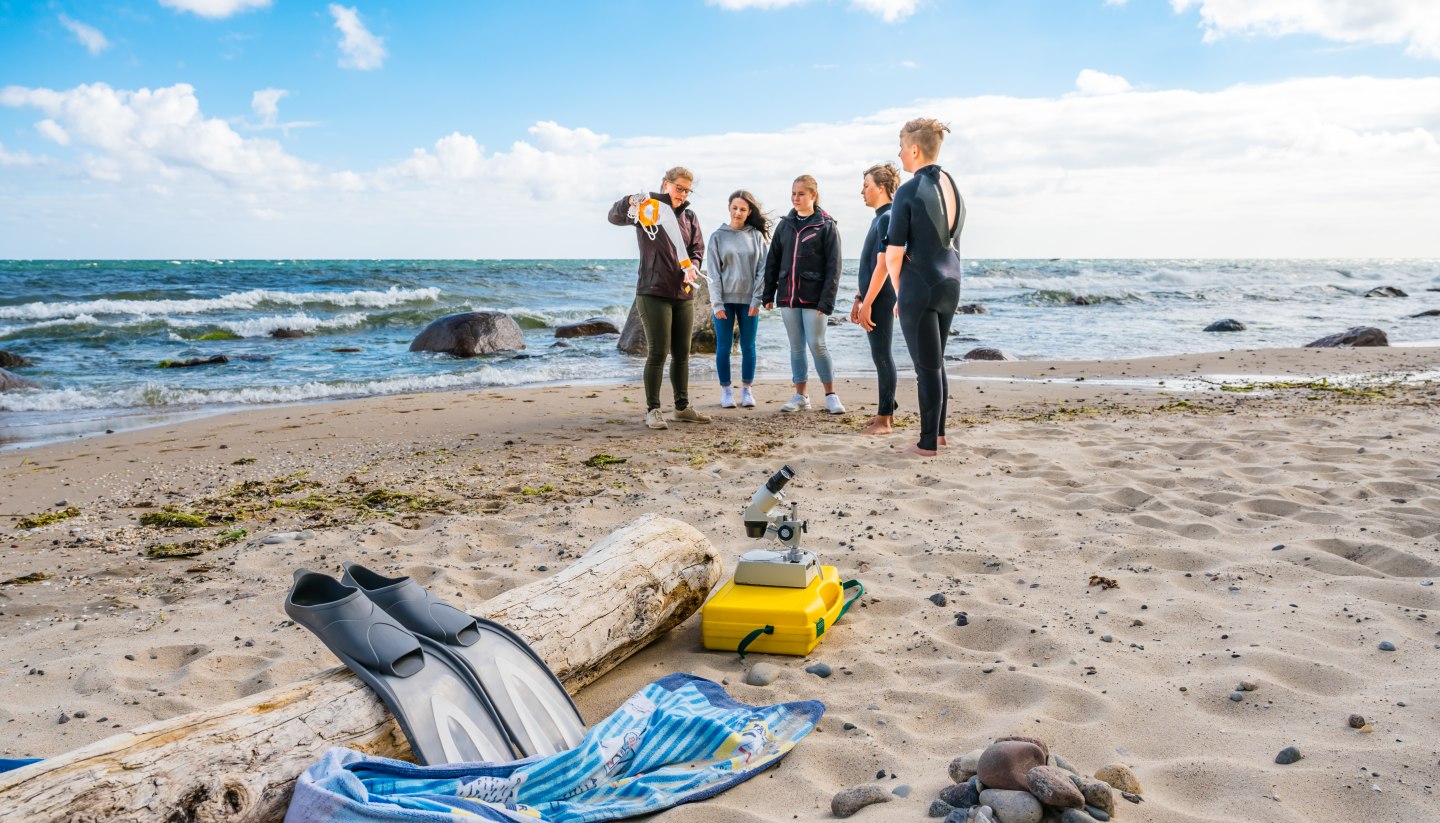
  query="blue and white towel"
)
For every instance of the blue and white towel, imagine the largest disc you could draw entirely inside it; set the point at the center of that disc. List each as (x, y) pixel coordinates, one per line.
(678, 740)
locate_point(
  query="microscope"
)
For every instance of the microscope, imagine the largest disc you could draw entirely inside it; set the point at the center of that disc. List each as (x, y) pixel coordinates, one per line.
(793, 568)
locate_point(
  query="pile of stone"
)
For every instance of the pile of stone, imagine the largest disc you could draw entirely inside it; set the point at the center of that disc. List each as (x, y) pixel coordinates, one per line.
(1018, 780)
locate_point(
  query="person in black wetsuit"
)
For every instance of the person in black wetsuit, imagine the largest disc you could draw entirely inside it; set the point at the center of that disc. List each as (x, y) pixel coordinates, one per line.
(874, 307)
(922, 255)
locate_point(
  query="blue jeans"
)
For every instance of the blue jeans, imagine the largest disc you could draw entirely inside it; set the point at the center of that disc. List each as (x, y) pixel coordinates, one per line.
(735, 314)
(806, 329)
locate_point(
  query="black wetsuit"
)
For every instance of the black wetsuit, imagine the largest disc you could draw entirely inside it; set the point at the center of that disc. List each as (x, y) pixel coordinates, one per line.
(929, 286)
(882, 311)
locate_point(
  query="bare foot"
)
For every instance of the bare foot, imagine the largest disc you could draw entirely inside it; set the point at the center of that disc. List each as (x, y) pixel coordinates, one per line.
(941, 441)
(914, 449)
(878, 425)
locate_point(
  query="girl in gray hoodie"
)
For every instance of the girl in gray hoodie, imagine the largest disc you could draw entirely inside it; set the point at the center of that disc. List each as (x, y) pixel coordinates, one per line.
(736, 258)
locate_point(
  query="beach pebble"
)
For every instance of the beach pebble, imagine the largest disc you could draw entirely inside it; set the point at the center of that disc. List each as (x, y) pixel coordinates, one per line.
(849, 727)
(1063, 763)
(1246, 686)
(81, 715)
(1387, 646)
(1076, 816)
(1107, 638)
(64, 718)
(1051, 785)
(939, 599)
(902, 790)
(1237, 696)
(819, 669)
(1012, 806)
(962, 619)
(762, 674)
(1097, 813)
(939, 808)
(854, 799)
(1004, 763)
(1120, 776)
(1288, 755)
(962, 795)
(1097, 793)
(1357, 721)
(965, 766)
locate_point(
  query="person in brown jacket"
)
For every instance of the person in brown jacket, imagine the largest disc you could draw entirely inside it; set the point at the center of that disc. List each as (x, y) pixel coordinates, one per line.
(663, 293)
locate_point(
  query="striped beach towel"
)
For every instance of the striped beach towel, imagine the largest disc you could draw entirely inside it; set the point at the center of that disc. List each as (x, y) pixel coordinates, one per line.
(678, 740)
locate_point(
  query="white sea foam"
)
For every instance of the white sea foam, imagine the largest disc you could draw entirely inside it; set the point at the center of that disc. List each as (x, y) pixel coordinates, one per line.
(392, 296)
(153, 395)
(262, 326)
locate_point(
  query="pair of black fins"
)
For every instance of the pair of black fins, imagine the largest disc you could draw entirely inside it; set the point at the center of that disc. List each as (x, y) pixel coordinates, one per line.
(464, 689)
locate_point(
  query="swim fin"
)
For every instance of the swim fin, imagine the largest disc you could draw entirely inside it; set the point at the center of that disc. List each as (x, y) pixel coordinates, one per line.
(443, 716)
(528, 699)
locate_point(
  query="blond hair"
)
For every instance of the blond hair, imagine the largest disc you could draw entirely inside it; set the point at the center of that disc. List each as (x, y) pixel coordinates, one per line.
(809, 182)
(886, 176)
(926, 134)
(678, 173)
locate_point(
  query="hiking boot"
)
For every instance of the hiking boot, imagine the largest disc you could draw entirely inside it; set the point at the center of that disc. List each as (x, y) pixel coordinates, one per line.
(727, 398)
(655, 420)
(833, 404)
(689, 415)
(746, 398)
(798, 402)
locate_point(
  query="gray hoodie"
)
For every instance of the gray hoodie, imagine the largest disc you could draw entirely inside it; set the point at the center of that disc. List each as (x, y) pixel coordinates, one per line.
(735, 259)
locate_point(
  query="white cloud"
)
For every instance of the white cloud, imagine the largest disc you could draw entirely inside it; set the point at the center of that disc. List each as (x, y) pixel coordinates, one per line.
(891, 11)
(1114, 2)
(1098, 82)
(215, 9)
(89, 36)
(17, 158)
(360, 49)
(266, 105)
(1309, 167)
(147, 133)
(1413, 22)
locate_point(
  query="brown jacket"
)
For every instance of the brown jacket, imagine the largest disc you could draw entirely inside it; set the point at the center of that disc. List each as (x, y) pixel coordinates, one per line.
(660, 274)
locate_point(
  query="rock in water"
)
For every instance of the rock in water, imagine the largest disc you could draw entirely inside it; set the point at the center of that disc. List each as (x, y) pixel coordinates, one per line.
(470, 333)
(987, 353)
(1386, 291)
(762, 674)
(972, 308)
(1226, 325)
(1013, 806)
(1119, 776)
(1426, 313)
(702, 337)
(587, 328)
(1051, 785)
(1288, 755)
(287, 334)
(1004, 763)
(10, 381)
(854, 799)
(213, 360)
(1352, 338)
(11, 360)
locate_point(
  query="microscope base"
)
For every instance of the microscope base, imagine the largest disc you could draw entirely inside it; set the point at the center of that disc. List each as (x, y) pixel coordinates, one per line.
(770, 568)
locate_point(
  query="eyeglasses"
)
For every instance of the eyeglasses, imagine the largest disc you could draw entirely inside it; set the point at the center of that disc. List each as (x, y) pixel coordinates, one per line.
(681, 189)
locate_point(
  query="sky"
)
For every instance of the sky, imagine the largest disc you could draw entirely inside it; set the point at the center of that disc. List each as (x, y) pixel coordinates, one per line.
(1079, 128)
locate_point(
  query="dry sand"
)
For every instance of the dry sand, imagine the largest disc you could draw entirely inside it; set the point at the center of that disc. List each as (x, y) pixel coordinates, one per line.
(1274, 536)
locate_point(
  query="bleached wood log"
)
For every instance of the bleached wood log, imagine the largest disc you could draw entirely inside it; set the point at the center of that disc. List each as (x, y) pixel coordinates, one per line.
(239, 761)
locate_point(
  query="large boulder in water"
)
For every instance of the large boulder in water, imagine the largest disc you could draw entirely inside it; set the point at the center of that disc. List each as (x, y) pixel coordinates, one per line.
(972, 308)
(10, 381)
(1352, 338)
(988, 353)
(1226, 325)
(470, 333)
(702, 337)
(11, 360)
(1386, 291)
(586, 328)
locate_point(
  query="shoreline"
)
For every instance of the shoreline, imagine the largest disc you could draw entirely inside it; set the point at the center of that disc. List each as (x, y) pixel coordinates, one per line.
(1248, 532)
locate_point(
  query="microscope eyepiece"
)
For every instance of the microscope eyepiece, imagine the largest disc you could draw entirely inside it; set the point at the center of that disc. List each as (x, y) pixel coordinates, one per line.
(778, 480)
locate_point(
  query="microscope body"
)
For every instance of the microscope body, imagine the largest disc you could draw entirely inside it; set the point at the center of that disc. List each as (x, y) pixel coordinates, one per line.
(793, 568)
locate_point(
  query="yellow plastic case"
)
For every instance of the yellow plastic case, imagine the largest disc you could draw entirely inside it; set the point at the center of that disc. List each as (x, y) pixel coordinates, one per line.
(776, 620)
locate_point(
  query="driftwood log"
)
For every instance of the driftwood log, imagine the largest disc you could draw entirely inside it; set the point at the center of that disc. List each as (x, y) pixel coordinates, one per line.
(239, 761)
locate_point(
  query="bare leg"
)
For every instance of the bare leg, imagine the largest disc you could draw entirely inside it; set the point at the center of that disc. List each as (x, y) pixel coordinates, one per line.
(800, 388)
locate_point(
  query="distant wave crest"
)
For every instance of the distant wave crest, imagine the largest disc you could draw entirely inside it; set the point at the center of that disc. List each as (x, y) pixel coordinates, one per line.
(254, 298)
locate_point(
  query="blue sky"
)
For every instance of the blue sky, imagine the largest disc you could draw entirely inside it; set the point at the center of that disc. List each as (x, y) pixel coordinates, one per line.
(254, 128)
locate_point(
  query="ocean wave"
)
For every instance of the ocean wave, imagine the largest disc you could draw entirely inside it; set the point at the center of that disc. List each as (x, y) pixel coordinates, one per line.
(263, 326)
(254, 298)
(156, 395)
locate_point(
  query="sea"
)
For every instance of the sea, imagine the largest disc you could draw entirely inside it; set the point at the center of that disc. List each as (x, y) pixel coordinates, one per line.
(96, 330)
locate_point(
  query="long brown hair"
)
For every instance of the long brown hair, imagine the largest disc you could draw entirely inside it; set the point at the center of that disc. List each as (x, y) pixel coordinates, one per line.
(757, 219)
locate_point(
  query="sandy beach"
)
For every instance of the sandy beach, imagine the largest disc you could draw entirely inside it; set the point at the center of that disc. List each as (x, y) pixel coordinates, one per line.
(1273, 534)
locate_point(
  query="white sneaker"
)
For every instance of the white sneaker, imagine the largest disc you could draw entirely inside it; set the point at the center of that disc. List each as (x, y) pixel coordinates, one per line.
(746, 398)
(727, 398)
(833, 404)
(798, 402)
(655, 420)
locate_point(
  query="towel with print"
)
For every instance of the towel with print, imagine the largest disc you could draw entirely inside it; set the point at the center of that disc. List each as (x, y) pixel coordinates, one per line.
(678, 740)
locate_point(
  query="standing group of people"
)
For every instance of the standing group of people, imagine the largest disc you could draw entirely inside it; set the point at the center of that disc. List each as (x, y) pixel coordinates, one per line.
(909, 269)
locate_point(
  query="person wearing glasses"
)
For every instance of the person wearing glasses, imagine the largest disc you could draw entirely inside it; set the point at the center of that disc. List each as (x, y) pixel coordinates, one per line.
(737, 281)
(663, 294)
(802, 275)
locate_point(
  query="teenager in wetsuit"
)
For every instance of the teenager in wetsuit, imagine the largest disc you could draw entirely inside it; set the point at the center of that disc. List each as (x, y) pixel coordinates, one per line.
(922, 255)
(874, 307)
